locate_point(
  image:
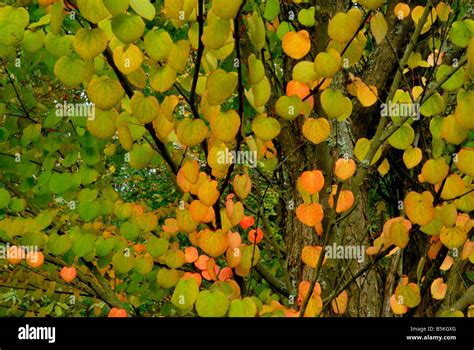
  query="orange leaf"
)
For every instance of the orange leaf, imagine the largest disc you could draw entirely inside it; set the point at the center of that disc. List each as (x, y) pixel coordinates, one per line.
(191, 254)
(397, 307)
(344, 169)
(344, 202)
(200, 263)
(252, 238)
(438, 289)
(225, 274)
(310, 214)
(312, 181)
(296, 44)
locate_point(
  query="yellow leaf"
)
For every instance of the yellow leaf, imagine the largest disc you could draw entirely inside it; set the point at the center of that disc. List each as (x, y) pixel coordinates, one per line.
(213, 243)
(310, 255)
(378, 27)
(384, 167)
(453, 237)
(434, 171)
(419, 207)
(339, 305)
(412, 157)
(362, 148)
(316, 130)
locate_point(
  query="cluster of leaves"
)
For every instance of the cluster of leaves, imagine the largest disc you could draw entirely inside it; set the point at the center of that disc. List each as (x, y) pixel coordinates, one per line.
(172, 87)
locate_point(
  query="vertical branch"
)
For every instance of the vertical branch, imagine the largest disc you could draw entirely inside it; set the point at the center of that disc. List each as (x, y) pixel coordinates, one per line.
(197, 64)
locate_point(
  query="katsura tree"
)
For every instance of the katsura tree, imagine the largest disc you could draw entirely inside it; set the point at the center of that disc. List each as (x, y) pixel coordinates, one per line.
(236, 158)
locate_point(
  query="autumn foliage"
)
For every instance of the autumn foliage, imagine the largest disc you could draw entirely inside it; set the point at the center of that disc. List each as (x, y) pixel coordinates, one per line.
(283, 130)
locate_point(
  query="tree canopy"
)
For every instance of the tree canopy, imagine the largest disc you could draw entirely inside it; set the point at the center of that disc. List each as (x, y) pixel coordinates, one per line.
(236, 158)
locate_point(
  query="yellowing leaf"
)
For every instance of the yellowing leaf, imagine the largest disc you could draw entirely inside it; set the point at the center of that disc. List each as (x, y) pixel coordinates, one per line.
(144, 8)
(453, 237)
(339, 305)
(213, 243)
(397, 308)
(412, 157)
(191, 132)
(463, 113)
(211, 304)
(367, 95)
(128, 28)
(384, 167)
(408, 295)
(326, 64)
(90, 43)
(434, 171)
(335, 104)
(128, 60)
(310, 255)
(372, 4)
(266, 128)
(105, 92)
(316, 130)
(403, 137)
(145, 109)
(453, 187)
(158, 44)
(399, 234)
(220, 86)
(92, 10)
(401, 10)
(343, 26)
(378, 27)
(465, 161)
(362, 148)
(419, 207)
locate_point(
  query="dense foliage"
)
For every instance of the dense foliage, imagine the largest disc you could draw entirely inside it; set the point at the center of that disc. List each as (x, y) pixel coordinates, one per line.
(236, 158)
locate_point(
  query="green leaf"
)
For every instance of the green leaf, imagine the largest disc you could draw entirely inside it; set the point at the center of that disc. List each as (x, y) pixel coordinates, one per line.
(83, 244)
(144, 8)
(59, 245)
(123, 263)
(272, 10)
(242, 308)
(460, 34)
(433, 106)
(185, 294)
(4, 198)
(103, 247)
(129, 230)
(157, 246)
(306, 17)
(33, 239)
(88, 211)
(403, 137)
(60, 183)
(210, 304)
